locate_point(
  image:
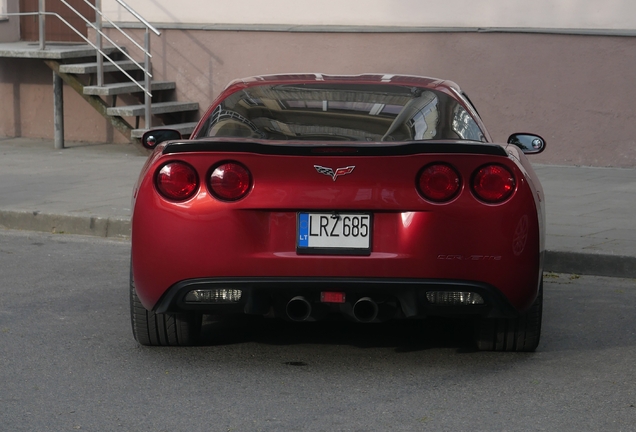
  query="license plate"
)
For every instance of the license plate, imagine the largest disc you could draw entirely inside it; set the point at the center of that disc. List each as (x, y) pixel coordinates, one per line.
(334, 233)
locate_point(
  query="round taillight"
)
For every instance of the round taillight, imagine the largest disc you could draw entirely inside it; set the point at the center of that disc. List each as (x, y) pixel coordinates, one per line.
(493, 183)
(230, 181)
(438, 182)
(177, 181)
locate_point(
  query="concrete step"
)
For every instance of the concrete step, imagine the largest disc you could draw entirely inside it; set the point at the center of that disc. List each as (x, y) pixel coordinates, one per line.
(126, 87)
(156, 108)
(89, 68)
(53, 51)
(183, 128)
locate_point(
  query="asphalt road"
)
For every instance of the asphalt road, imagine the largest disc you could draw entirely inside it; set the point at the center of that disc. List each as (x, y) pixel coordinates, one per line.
(68, 361)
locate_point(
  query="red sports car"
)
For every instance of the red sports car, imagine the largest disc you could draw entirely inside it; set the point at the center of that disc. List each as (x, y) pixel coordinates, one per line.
(368, 197)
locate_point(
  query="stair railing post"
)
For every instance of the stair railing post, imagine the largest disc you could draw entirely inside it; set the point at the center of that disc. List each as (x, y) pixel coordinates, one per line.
(100, 59)
(42, 23)
(147, 72)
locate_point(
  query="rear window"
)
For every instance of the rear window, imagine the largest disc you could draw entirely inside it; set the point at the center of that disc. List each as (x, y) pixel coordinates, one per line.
(341, 112)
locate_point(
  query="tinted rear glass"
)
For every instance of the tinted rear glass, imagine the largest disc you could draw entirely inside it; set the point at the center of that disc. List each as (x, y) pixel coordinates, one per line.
(341, 112)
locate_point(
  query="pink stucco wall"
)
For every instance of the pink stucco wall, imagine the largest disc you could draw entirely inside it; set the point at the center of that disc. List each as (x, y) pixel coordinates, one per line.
(26, 110)
(576, 91)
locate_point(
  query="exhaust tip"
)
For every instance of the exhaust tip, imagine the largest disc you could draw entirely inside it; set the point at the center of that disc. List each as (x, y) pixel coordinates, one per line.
(365, 310)
(298, 309)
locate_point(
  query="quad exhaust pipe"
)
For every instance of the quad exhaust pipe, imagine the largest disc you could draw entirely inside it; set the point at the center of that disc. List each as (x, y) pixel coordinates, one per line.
(298, 309)
(365, 310)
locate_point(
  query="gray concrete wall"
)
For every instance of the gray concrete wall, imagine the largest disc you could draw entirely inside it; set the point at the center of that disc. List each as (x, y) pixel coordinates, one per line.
(576, 91)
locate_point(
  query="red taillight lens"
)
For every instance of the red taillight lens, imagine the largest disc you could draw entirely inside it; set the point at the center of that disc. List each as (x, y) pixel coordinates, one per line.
(177, 181)
(438, 182)
(230, 181)
(493, 183)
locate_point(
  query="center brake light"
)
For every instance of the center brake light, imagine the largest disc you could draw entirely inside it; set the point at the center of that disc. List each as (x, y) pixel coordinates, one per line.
(229, 181)
(332, 297)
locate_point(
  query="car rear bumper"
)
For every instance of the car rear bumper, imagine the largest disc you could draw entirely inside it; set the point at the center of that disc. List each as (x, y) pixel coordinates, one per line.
(393, 298)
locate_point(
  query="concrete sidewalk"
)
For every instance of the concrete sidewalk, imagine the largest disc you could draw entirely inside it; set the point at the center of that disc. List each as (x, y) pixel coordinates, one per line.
(86, 189)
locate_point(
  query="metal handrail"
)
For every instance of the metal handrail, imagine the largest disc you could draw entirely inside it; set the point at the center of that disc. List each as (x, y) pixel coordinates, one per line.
(157, 32)
(98, 46)
(115, 45)
(146, 50)
(139, 17)
(85, 39)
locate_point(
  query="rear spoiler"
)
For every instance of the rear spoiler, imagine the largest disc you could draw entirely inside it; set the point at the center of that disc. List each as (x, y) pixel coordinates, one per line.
(329, 149)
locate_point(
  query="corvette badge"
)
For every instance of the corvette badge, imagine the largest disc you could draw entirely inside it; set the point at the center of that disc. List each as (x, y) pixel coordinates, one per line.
(334, 174)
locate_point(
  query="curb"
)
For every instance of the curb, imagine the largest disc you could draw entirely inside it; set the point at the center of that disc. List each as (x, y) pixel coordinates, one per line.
(555, 261)
(620, 266)
(65, 224)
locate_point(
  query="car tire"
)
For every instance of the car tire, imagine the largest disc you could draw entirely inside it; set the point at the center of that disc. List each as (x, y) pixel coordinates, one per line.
(519, 334)
(153, 329)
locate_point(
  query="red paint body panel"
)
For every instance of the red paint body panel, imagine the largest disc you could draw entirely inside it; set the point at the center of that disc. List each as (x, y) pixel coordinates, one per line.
(500, 245)
(412, 238)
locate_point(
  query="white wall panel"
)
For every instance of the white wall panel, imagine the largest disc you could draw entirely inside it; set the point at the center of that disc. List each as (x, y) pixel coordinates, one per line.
(550, 14)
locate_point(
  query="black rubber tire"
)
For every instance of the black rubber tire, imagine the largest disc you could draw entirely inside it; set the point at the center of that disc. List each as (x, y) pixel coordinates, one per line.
(519, 334)
(155, 329)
